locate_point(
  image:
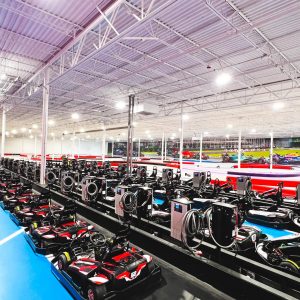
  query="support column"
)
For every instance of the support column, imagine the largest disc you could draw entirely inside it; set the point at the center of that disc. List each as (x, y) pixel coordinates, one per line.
(103, 145)
(162, 146)
(181, 139)
(166, 147)
(239, 149)
(271, 151)
(130, 134)
(3, 132)
(201, 147)
(44, 125)
(139, 149)
(112, 148)
(79, 146)
(35, 145)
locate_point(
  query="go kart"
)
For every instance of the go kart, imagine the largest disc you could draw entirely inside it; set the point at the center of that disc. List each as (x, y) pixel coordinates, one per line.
(51, 238)
(114, 267)
(35, 213)
(282, 252)
(17, 203)
(17, 192)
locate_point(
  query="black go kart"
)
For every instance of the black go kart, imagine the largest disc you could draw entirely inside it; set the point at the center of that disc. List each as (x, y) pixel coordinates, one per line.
(282, 253)
(49, 239)
(114, 267)
(17, 203)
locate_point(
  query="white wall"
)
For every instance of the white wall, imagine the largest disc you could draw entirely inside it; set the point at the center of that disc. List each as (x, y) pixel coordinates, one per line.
(54, 146)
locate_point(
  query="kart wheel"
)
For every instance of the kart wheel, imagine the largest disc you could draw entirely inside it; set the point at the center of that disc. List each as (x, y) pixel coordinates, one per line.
(62, 262)
(96, 292)
(289, 266)
(31, 228)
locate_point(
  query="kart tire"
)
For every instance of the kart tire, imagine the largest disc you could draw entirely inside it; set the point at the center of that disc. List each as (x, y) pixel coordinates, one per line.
(31, 228)
(96, 292)
(151, 266)
(62, 262)
(289, 266)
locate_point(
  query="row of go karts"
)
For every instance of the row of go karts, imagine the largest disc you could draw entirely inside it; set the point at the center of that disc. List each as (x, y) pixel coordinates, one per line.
(90, 265)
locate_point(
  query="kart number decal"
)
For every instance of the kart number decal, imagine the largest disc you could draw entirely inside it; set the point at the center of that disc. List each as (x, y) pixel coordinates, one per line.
(133, 274)
(73, 236)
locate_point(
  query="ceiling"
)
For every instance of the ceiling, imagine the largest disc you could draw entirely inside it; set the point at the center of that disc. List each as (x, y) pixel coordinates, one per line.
(165, 52)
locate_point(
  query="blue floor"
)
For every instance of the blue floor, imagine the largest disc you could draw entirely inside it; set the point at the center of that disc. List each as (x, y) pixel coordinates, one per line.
(24, 274)
(270, 232)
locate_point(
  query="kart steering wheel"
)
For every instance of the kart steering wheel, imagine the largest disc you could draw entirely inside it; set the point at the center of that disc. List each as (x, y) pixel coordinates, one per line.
(97, 239)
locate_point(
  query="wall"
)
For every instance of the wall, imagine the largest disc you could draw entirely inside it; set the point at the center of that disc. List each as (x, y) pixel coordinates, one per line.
(54, 146)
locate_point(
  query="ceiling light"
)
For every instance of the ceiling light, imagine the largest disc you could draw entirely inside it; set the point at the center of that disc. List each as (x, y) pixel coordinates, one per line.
(223, 79)
(7, 133)
(88, 136)
(66, 132)
(75, 116)
(253, 130)
(123, 133)
(31, 136)
(147, 131)
(185, 117)
(29, 130)
(278, 106)
(82, 130)
(51, 122)
(206, 133)
(52, 133)
(229, 126)
(179, 129)
(120, 105)
(134, 124)
(34, 126)
(133, 139)
(23, 129)
(118, 140)
(111, 137)
(227, 136)
(172, 137)
(14, 131)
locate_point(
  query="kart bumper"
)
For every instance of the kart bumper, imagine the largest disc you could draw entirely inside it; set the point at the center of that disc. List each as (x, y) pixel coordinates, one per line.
(153, 277)
(34, 245)
(2, 205)
(14, 219)
(280, 224)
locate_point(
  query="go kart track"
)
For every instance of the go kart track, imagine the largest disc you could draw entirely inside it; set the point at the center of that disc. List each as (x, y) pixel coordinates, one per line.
(18, 258)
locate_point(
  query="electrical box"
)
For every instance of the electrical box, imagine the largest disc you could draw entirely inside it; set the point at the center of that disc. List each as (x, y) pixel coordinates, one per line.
(146, 109)
(243, 184)
(198, 179)
(108, 193)
(223, 222)
(144, 202)
(167, 175)
(179, 207)
(120, 191)
(141, 172)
